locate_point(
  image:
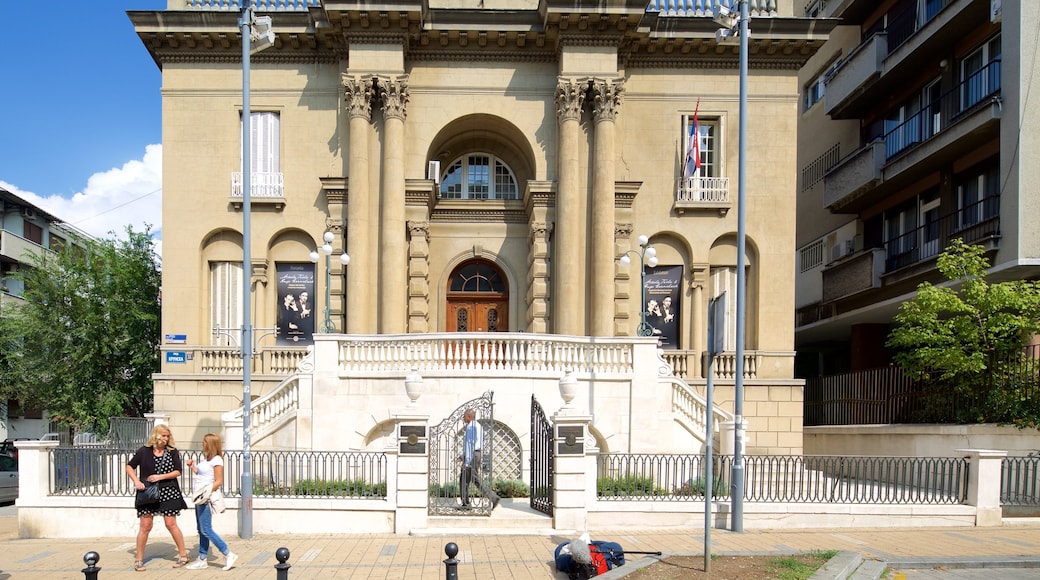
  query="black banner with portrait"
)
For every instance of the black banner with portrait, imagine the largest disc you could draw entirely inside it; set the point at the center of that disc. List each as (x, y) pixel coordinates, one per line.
(295, 303)
(662, 303)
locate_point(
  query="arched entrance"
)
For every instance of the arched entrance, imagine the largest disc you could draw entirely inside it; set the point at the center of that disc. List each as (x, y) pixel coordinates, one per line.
(478, 298)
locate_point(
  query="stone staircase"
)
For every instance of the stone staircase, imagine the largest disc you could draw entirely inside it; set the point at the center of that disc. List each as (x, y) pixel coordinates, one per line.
(512, 517)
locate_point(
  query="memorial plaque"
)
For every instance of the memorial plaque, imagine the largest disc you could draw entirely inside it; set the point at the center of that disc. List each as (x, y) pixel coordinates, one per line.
(417, 448)
(569, 440)
(408, 430)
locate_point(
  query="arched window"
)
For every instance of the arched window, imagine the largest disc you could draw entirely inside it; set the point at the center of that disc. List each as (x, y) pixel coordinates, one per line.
(478, 176)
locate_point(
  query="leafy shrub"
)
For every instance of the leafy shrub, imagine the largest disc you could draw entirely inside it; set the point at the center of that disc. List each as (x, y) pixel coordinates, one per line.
(511, 488)
(339, 488)
(627, 485)
(696, 487)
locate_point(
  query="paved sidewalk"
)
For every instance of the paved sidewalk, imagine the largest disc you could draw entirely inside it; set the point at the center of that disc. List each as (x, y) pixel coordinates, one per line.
(495, 556)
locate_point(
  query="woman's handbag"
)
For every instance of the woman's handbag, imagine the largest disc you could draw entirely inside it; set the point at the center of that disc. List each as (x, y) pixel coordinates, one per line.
(216, 502)
(147, 497)
(202, 495)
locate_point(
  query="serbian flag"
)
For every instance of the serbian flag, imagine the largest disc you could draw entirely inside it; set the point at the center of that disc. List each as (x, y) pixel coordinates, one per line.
(692, 163)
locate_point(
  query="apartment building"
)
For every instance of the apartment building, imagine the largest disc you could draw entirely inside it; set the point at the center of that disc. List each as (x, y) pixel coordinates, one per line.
(916, 128)
(25, 230)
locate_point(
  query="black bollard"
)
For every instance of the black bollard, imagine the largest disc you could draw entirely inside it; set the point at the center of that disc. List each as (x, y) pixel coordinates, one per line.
(282, 555)
(90, 572)
(451, 565)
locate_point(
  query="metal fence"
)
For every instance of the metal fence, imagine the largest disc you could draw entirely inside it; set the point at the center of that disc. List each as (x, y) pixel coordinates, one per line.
(786, 478)
(94, 471)
(1020, 481)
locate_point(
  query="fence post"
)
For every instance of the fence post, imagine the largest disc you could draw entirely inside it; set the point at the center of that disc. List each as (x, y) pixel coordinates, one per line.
(90, 572)
(282, 555)
(451, 565)
(984, 485)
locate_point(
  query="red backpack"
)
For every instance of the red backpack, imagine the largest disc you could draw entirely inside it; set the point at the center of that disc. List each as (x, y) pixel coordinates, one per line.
(599, 561)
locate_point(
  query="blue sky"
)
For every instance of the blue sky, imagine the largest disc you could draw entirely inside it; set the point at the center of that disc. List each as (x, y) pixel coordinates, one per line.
(80, 113)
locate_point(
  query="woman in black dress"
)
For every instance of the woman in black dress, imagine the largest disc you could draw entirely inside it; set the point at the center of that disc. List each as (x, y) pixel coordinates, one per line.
(159, 463)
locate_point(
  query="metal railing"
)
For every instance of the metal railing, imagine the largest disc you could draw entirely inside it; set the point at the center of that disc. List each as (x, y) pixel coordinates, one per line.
(93, 471)
(939, 114)
(1020, 481)
(889, 395)
(786, 478)
(974, 223)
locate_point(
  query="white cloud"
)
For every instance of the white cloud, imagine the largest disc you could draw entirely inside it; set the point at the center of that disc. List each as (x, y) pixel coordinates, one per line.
(128, 195)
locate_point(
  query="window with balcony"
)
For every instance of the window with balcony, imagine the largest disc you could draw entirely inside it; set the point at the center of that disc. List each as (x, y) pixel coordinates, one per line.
(57, 243)
(901, 236)
(701, 179)
(814, 91)
(478, 176)
(980, 73)
(978, 195)
(265, 175)
(225, 304)
(916, 120)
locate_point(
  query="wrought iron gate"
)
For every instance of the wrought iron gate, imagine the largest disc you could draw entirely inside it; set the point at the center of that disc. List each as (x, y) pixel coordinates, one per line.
(445, 467)
(542, 475)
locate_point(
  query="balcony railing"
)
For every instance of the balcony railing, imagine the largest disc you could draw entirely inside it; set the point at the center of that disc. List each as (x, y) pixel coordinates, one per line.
(975, 223)
(262, 184)
(942, 112)
(259, 5)
(702, 193)
(757, 8)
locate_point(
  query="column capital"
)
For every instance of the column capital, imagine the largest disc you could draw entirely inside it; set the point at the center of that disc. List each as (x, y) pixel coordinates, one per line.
(419, 230)
(394, 93)
(606, 98)
(359, 92)
(570, 96)
(622, 231)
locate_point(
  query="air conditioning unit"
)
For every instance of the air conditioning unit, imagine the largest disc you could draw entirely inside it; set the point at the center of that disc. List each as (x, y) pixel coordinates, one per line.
(28, 213)
(433, 172)
(842, 249)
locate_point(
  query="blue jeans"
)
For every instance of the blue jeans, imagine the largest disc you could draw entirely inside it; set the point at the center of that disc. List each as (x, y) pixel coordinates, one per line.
(204, 520)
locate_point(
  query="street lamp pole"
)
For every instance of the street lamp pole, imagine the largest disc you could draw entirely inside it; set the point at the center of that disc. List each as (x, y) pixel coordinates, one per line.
(647, 256)
(725, 17)
(258, 29)
(344, 259)
(245, 521)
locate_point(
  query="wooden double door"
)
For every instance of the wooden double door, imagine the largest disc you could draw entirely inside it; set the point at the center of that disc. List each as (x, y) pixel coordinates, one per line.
(476, 314)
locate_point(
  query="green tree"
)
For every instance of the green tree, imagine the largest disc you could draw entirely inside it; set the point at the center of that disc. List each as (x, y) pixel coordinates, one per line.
(971, 335)
(84, 344)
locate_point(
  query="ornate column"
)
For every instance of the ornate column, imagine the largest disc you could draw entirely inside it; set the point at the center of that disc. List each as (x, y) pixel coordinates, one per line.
(606, 97)
(418, 276)
(393, 266)
(568, 272)
(362, 271)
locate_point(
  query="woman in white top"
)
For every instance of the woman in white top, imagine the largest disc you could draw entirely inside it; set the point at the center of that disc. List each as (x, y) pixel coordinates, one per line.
(209, 473)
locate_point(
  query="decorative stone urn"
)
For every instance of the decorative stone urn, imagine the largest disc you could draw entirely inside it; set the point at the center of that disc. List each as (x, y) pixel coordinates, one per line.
(568, 388)
(413, 387)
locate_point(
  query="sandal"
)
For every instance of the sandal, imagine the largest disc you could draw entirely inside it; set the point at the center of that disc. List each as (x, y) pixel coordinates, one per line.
(181, 560)
(139, 566)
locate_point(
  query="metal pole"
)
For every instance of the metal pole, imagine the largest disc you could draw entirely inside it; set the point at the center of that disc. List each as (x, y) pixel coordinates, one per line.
(91, 559)
(737, 496)
(282, 567)
(451, 565)
(245, 521)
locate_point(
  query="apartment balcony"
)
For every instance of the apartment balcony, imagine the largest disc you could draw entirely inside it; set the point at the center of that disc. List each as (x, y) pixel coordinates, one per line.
(15, 248)
(904, 51)
(857, 273)
(702, 194)
(265, 188)
(854, 176)
(958, 122)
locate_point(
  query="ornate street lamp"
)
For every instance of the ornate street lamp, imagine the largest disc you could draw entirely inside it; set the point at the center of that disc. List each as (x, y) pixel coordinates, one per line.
(647, 257)
(344, 259)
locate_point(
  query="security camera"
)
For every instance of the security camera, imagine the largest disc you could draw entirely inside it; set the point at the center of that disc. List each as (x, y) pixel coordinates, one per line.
(724, 17)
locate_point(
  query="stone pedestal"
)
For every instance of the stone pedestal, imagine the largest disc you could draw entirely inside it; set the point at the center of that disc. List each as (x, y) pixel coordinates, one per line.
(412, 449)
(984, 485)
(575, 471)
